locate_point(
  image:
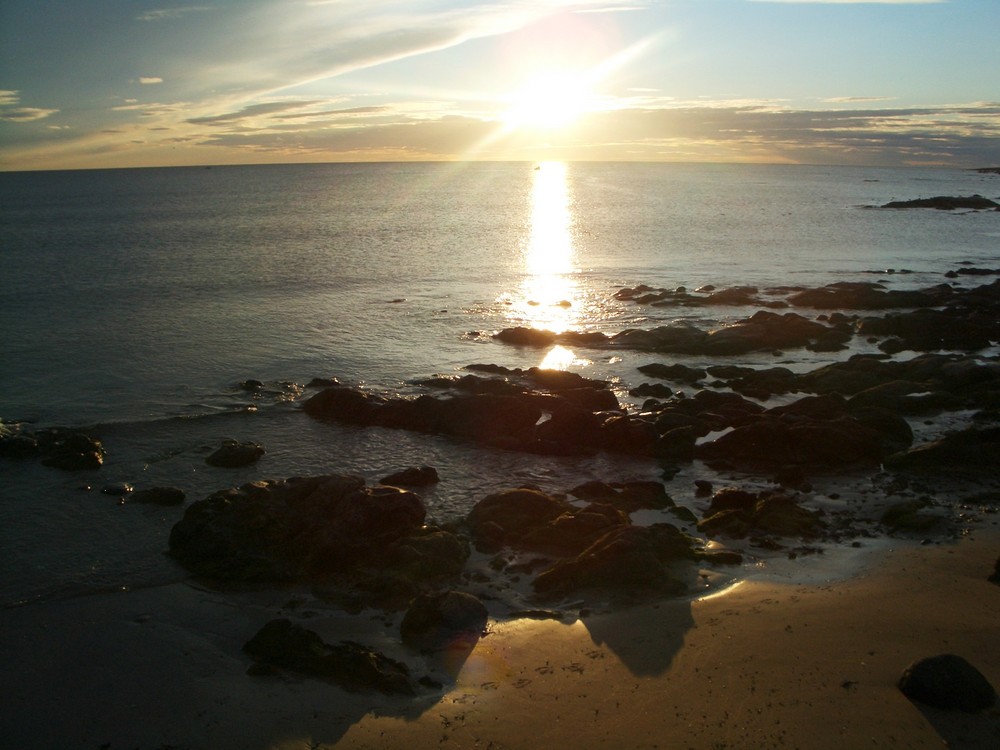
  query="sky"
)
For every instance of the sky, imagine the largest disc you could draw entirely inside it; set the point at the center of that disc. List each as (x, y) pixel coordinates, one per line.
(129, 83)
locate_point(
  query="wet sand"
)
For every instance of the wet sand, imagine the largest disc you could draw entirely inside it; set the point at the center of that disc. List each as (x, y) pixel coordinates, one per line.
(768, 663)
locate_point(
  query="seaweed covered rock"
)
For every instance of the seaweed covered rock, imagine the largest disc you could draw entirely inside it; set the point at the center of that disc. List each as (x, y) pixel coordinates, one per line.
(284, 644)
(292, 529)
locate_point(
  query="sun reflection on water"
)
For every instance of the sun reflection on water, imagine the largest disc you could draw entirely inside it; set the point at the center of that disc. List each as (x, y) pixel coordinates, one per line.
(548, 297)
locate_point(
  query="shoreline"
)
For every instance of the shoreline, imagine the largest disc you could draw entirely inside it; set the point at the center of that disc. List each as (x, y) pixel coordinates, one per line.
(764, 663)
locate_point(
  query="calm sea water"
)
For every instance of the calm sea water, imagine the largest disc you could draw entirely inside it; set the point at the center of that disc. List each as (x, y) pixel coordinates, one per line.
(133, 302)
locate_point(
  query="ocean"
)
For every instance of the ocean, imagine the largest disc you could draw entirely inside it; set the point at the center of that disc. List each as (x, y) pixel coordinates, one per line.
(133, 304)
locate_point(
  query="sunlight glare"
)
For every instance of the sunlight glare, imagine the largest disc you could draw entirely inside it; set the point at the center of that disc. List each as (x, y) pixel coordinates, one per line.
(549, 290)
(550, 101)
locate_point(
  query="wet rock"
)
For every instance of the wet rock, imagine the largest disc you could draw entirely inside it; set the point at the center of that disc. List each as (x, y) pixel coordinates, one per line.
(437, 621)
(771, 513)
(428, 553)
(233, 454)
(972, 451)
(69, 450)
(414, 476)
(847, 295)
(505, 517)
(947, 682)
(945, 203)
(995, 577)
(575, 530)
(677, 373)
(294, 529)
(771, 441)
(284, 644)
(158, 496)
(523, 336)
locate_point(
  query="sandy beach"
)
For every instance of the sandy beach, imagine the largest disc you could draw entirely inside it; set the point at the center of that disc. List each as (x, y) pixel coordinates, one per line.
(769, 662)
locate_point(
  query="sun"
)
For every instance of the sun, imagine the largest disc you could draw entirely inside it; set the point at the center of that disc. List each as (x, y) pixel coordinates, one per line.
(549, 101)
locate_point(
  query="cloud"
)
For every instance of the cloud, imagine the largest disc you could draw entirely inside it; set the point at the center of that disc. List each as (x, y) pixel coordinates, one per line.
(10, 112)
(167, 14)
(856, 2)
(146, 80)
(848, 99)
(253, 110)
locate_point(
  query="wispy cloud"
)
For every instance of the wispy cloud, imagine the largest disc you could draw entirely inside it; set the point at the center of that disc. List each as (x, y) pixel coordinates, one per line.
(11, 112)
(148, 80)
(856, 2)
(248, 112)
(849, 99)
(167, 14)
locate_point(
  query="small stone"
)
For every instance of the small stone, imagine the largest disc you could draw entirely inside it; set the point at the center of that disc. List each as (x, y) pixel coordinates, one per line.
(233, 454)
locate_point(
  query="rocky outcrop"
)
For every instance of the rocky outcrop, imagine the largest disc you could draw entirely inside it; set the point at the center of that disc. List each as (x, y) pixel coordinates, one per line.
(738, 513)
(945, 203)
(286, 645)
(59, 447)
(413, 476)
(294, 529)
(973, 451)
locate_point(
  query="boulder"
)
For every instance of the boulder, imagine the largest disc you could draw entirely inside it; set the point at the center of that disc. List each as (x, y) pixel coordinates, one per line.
(233, 454)
(414, 476)
(973, 451)
(770, 513)
(632, 560)
(437, 621)
(945, 203)
(294, 529)
(284, 644)
(506, 517)
(947, 682)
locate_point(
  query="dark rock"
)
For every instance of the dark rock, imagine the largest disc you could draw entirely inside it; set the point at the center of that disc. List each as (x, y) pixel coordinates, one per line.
(995, 577)
(294, 529)
(69, 450)
(575, 530)
(414, 476)
(428, 553)
(282, 643)
(506, 517)
(771, 513)
(945, 203)
(437, 621)
(633, 560)
(158, 496)
(522, 336)
(971, 451)
(948, 682)
(678, 373)
(233, 454)
(864, 296)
